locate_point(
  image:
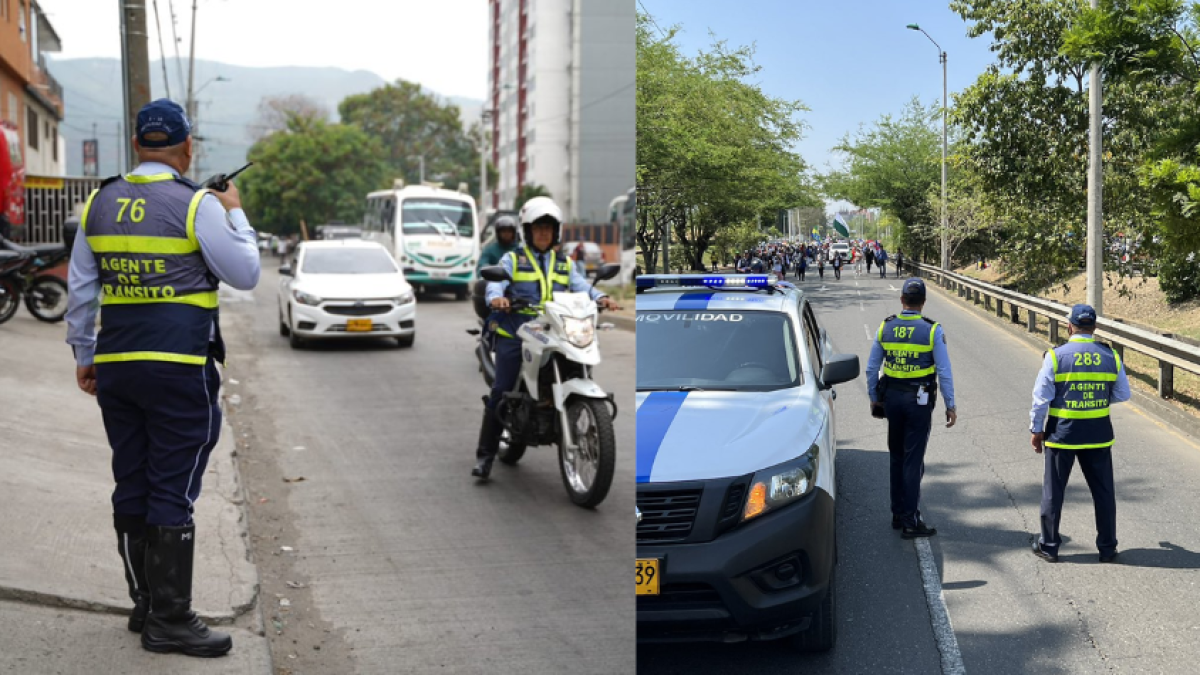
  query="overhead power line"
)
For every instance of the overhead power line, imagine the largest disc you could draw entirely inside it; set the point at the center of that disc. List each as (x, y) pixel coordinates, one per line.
(161, 52)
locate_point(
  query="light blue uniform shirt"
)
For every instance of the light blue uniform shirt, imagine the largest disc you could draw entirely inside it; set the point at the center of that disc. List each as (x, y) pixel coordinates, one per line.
(1043, 390)
(941, 361)
(579, 282)
(227, 242)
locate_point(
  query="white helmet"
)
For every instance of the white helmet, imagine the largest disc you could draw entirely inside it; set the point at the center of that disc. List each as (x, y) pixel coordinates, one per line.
(537, 209)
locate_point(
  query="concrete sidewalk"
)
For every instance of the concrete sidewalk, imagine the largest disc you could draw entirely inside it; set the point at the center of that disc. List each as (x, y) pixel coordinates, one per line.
(57, 544)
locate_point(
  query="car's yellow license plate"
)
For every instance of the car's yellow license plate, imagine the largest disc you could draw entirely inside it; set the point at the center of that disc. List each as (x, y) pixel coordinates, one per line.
(647, 576)
(358, 325)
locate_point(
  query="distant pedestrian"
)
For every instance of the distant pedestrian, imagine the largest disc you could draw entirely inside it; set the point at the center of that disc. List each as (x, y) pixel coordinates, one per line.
(870, 256)
(899, 262)
(881, 258)
(801, 266)
(837, 265)
(821, 265)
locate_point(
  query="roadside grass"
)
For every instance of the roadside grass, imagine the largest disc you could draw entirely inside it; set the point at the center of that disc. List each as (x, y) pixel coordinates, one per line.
(1137, 301)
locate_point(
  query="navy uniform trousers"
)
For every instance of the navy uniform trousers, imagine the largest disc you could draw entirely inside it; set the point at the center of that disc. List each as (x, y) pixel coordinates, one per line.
(909, 425)
(1096, 464)
(162, 421)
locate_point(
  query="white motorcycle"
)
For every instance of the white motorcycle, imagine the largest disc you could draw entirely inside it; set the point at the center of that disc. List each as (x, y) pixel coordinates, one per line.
(555, 401)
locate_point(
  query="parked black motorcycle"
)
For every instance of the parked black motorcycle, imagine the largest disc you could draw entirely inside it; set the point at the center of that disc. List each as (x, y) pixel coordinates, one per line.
(24, 273)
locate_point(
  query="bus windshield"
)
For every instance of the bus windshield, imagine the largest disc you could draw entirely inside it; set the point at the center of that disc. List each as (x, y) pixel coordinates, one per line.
(437, 216)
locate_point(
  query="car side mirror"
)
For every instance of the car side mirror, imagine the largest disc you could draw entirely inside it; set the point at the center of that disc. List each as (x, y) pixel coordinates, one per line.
(838, 369)
(607, 271)
(495, 273)
(285, 270)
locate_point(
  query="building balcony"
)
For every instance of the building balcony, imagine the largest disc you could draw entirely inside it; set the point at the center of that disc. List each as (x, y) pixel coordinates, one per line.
(46, 89)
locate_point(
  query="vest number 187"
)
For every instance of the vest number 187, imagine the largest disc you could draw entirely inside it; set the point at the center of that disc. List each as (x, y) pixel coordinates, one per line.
(903, 331)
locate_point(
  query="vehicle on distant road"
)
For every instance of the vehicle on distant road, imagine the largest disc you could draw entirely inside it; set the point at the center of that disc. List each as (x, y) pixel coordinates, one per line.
(345, 288)
(591, 257)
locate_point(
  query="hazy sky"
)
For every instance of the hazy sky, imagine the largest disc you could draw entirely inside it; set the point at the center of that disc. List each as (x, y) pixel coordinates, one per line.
(850, 62)
(442, 45)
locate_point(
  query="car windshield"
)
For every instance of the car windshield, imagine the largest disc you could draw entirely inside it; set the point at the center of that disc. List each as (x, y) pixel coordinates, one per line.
(446, 217)
(347, 261)
(715, 350)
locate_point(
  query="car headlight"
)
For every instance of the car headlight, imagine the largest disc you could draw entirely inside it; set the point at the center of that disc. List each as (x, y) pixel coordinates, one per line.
(404, 298)
(580, 332)
(782, 484)
(305, 298)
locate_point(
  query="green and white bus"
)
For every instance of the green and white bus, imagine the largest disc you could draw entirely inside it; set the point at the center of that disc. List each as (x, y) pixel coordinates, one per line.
(432, 232)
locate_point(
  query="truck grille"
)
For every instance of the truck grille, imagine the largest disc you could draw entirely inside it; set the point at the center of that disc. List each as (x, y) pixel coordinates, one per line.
(667, 515)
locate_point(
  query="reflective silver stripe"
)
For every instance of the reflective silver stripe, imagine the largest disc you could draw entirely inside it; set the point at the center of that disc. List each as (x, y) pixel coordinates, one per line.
(129, 561)
(188, 490)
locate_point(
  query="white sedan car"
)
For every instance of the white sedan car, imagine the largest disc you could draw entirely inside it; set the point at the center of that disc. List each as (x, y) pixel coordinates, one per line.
(345, 288)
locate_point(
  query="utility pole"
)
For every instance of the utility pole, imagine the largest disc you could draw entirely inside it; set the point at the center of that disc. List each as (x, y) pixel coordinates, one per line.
(1095, 244)
(191, 101)
(945, 219)
(137, 65)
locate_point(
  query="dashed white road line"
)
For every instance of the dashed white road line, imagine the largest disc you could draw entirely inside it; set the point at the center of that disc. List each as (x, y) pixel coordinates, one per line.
(943, 632)
(867, 331)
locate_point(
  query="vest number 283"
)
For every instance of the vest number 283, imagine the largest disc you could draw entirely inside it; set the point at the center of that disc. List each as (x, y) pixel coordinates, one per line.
(1087, 359)
(137, 211)
(903, 331)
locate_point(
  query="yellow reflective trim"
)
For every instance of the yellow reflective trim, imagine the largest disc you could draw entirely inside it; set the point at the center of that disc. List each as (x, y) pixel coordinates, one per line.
(1079, 414)
(905, 347)
(907, 375)
(191, 217)
(909, 317)
(932, 333)
(1086, 446)
(150, 356)
(87, 207)
(879, 335)
(1080, 338)
(120, 243)
(1054, 355)
(503, 333)
(152, 178)
(1118, 358)
(205, 300)
(1085, 377)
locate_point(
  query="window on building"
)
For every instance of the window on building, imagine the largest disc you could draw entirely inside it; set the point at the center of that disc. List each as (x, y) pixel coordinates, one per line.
(31, 128)
(21, 20)
(54, 142)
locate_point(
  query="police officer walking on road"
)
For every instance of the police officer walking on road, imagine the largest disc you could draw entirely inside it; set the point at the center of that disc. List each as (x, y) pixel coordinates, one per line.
(537, 273)
(1074, 389)
(912, 351)
(152, 250)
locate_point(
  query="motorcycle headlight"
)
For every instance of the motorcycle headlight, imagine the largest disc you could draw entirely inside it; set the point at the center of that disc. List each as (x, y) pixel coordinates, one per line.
(305, 298)
(404, 298)
(580, 332)
(780, 485)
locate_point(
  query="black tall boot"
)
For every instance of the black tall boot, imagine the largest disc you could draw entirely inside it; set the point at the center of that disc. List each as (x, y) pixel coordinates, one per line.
(131, 543)
(489, 445)
(172, 625)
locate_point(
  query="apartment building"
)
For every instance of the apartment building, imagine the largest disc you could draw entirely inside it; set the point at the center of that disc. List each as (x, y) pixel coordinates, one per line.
(30, 99)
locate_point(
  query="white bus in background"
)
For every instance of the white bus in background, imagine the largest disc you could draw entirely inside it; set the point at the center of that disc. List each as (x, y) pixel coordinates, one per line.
(432, 232)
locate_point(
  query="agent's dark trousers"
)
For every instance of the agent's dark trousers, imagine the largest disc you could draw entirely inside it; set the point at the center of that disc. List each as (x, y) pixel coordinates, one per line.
(908, 434)
(1097, 468)
(162, 421)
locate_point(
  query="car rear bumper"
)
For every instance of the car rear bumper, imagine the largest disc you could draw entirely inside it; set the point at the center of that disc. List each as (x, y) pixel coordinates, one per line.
(731, 588)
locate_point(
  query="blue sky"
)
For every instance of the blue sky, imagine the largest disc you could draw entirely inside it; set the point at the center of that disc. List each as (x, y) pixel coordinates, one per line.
(849, 61)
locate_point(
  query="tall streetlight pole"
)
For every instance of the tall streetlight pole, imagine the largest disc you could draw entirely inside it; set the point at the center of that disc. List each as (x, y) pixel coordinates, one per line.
(945, 107)
(1095, 221)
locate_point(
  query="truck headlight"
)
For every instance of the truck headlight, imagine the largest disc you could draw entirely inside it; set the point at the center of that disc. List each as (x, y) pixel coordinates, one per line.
(580, 332)
(782, 484)
(305, 298)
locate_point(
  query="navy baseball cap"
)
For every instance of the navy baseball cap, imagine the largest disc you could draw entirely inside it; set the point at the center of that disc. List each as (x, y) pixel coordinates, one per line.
(161, 124)
(1082, 315)
(914, 287)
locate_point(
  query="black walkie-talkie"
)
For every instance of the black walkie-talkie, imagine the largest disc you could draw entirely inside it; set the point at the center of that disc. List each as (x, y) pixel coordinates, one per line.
(220, 182)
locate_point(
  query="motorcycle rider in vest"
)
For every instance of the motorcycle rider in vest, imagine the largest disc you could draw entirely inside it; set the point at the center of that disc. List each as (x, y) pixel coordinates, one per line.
(537, 273)
(153, 248)
(1070, 419)
(912, 352)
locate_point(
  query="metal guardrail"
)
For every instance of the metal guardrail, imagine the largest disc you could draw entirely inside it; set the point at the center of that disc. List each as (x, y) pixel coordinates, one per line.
(1170, 352)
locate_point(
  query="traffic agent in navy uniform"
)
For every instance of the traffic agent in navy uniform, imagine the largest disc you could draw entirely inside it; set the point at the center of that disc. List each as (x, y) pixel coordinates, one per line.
(912, 352)
(1070, 419)
(153, 250)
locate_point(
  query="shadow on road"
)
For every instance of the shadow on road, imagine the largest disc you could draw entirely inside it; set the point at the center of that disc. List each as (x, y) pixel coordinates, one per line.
(1170, 556)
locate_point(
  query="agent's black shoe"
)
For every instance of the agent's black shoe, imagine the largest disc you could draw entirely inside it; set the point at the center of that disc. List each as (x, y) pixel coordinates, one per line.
(1043, 554)
(921, 530)
(489, 445)
(483, 468)
(172, 625)
(1108, 557)
(131, 544)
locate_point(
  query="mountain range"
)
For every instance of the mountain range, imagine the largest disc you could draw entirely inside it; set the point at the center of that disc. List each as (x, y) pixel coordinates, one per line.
(226, 110)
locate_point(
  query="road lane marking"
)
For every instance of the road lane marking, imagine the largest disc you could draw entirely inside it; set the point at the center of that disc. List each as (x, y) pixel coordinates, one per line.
(867, 330)
(943, 632)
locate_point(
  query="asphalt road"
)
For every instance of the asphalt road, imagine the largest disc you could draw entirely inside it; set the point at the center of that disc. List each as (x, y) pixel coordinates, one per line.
(400, 561)
(1010, 612)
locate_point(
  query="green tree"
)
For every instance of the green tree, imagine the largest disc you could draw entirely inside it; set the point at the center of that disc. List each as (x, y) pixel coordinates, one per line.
(411, 123)
(313, 170)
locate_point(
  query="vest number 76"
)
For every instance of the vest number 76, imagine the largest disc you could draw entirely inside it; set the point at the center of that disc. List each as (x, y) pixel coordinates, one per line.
(903, 331)
(136, 213)
(1087, 359)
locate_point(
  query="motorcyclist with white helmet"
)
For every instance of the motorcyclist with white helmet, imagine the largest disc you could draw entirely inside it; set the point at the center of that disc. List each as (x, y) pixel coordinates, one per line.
(537, 272)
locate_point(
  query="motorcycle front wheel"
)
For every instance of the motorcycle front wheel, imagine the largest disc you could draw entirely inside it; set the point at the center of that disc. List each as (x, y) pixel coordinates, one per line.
(10, 299)
(46, 299)
(587, 471)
